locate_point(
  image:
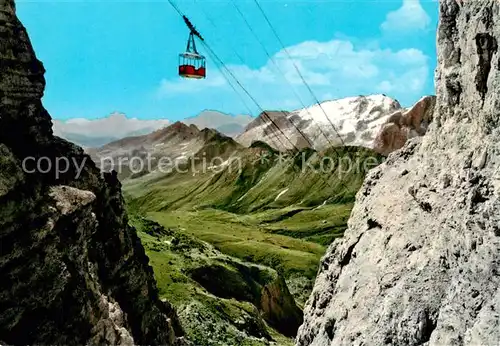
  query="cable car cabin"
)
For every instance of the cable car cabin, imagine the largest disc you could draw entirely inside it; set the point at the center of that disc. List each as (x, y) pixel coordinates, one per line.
(192, 65)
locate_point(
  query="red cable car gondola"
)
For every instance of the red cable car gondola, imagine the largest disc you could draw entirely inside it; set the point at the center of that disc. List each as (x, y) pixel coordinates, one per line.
(191, 63)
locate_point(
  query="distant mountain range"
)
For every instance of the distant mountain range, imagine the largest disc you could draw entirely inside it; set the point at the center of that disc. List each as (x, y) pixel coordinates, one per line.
(224, 123)
(98, 132)
(95, 133)
(375, 122)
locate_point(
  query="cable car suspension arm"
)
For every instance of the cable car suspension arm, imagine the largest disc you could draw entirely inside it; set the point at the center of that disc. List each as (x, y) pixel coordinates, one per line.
(192, 28)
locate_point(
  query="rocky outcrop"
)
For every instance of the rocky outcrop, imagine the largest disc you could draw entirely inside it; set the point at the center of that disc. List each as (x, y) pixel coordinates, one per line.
(405, 124)
(279, 308)
(73, 271)
(374, 121)
(261, 286)
(419, 263)
(221, 300)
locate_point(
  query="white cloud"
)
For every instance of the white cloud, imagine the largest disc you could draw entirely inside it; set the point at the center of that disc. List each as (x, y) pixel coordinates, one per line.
(411, 81)
(180, 86)
(410, 16)
(336, 68)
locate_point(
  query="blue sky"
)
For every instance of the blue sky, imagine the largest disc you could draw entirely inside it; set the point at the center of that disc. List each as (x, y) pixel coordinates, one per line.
(111, 56)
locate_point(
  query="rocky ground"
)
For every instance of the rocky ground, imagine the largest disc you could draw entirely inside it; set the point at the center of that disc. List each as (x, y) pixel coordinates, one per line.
(419, 262)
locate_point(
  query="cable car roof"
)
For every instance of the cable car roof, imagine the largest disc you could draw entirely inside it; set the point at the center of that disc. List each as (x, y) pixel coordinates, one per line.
(192, 55)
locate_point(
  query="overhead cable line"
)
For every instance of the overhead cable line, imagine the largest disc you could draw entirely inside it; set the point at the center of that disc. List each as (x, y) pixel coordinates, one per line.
(235, 90)
(311, 144)
(249, 95)
(297, 69)
(277, 68)
(223, 69)
(265, 115)
(243, 62)
(306, 138)
(220, 69)
(211, 51)
(303, 80)
(212, 22)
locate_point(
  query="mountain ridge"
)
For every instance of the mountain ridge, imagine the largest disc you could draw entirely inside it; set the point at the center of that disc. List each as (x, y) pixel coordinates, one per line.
(368, 121)
(176, 143)
(389, 128)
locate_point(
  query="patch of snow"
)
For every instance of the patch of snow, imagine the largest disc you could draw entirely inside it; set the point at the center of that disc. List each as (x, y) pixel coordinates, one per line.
(322, 204)
(223, 164)
(281, 194)
(350, 116)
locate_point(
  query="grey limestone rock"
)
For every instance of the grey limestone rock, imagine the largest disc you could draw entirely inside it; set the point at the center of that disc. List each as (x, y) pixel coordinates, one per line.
(420, 261)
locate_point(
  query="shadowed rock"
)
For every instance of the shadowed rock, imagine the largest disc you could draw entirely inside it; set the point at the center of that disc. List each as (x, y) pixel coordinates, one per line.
(73, 272)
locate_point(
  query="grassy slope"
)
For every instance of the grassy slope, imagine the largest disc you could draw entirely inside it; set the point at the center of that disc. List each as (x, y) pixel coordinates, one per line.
(252, 189)
(244, 241)
(239, 212)
(206, 318)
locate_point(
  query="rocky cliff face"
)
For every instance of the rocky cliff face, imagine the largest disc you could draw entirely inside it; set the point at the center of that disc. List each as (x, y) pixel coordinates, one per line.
(405, 124)
(419, 263)
(73, 271)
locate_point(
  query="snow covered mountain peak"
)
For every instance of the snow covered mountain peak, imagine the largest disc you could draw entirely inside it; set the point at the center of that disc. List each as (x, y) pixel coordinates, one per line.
(347, 121)
(355, 119)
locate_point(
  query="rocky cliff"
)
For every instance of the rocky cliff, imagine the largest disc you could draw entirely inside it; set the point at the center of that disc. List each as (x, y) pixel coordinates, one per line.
(73, 271)
(405, 124)
(419, 263)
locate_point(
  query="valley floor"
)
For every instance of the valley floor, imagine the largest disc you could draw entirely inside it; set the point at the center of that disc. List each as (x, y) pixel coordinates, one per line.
(290, 240)
(237, 252)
